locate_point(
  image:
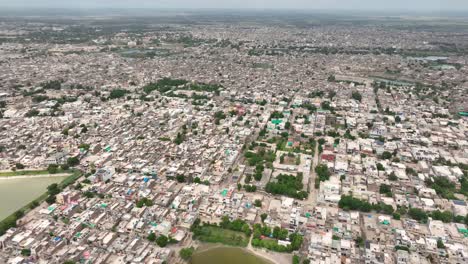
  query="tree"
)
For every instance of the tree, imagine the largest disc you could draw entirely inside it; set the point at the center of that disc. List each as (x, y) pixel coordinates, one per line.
(118, 93)
(380, 167)
(73, 161)
(51, 199)
(385, 189)
(417, 214)
(52, 168)
(53, 189)
(322, 172)
(287, 125)
(186, 253)
(392, 176)
(180, 178)
(162, 241)
(356, 96)
(258, 203)
(26, 252)
(295, 259)
(440, 243)
(386, 155)
(19, 166)
(263, 217)
(152, 237)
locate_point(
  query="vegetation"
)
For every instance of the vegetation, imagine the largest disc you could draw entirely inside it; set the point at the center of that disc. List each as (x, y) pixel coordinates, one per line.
(322, 173)
(144, 202)
(386, 190)
(265, 237)
(162, 241)
(443, 186)
(118, 93)
(73, 161)
(233, 233)
(186, 253)
(356, 96)
(288, 185)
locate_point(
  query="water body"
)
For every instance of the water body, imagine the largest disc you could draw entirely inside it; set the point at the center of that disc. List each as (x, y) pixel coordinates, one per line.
(16, 193)
(226, 255)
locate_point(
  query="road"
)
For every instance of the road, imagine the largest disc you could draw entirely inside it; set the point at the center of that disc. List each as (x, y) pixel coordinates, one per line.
(312, 199)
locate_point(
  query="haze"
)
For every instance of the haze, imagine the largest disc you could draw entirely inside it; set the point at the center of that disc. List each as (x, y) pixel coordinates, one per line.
(405, 5)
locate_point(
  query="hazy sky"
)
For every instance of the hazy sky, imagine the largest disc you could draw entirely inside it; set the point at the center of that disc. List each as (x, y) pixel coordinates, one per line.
(422, 5)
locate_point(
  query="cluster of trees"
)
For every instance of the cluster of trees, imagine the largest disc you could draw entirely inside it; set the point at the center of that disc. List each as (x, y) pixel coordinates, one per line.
(52, 85)
(276, 115)
(218, 116)
(118, 93)
(164, 85)
(288, 185)
(351, 203)
(260, 157)
(197, 180)
(54, 168)
(238, 225)
(347, 202)
(31, 113)
(322, 173)
(250, 188)
(161, 240)
(443, 186)
(186, 253)
(144, 202)
(73, 161)
(386, 190)
(167, 84)
(277, 233)
(219, 234)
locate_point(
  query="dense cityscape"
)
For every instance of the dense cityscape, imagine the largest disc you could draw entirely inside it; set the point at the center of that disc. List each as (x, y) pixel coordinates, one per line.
(299, 140)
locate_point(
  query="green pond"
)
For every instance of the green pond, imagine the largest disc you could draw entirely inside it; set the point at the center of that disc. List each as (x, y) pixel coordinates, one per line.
(18, 192)
(226, 255)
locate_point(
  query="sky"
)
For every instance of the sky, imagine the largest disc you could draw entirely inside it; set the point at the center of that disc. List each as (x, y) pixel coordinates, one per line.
(383, 5)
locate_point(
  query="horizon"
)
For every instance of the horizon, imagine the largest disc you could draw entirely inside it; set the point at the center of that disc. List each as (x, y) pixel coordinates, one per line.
(418, 6)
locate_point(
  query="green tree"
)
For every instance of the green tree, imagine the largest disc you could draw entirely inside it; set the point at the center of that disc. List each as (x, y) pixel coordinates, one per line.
(392, 176)
(186, 253)
(258, 203)
(295, 259)
(162, 241)
(152, 237)
(180, 178)
(356, 96)
(52, 168)
(73, 161)
(263, 217)
(440, 243)
(386, 155)
(380, 167)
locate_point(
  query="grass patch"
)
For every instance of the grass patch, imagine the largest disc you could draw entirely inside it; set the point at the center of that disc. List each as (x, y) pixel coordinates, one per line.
(212, 234)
